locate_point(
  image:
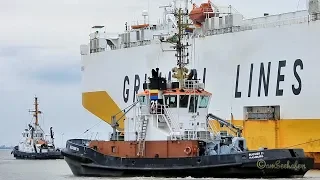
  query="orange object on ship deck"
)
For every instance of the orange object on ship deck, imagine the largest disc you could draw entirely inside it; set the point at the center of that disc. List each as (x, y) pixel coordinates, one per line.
(40, 141)
(139, 26)
(199, 14)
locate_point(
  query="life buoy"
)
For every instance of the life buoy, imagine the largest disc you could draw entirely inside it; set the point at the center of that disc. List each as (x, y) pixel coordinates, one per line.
(188, 150)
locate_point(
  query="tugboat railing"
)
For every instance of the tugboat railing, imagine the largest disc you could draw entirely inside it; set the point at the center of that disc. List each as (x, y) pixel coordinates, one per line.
(118, 135)
(159, 111)
(193, 135)
(164, 112)
(167, 122)
(79, 142)
(174, 123)
(192, 84)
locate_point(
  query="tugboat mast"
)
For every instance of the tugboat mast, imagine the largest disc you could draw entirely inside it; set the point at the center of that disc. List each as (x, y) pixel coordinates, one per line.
(182, 56)
(36, 111)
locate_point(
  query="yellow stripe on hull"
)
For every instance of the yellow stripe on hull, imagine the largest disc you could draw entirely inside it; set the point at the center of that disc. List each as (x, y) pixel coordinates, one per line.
(102, 105)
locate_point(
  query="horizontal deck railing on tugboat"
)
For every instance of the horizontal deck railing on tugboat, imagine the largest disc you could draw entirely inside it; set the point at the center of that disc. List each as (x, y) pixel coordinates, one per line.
(119, 136)
(163, 111)
(192, 84)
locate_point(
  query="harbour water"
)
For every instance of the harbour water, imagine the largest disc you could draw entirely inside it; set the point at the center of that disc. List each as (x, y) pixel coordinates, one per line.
(12, 169)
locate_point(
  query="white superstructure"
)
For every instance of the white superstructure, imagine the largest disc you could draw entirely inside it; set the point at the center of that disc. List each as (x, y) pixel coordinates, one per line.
(32, 139)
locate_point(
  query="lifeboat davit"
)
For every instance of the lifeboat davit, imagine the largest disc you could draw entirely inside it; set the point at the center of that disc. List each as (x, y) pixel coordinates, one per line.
(199, 14)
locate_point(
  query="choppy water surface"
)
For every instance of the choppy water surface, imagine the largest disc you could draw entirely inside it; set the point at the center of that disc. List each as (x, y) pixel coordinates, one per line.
(12, 169)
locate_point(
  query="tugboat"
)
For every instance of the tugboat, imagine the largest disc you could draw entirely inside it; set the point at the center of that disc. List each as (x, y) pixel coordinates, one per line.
(170, 136)
(34, 143)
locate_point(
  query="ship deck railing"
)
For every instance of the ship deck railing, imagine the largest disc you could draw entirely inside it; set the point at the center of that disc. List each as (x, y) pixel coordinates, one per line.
(249, 24)
(290, 21)
(195, 135)
(165, 113)
(136, 43)
(119, 135)
(192, 84)
(83, 142)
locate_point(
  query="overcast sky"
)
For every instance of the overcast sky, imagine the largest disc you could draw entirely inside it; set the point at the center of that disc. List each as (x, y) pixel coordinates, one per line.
(39, 55)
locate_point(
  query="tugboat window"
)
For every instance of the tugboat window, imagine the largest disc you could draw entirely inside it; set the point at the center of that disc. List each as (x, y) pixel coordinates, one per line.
(203, 101)
(142, 100)
(193, 103)
(171, 101)
(184, 101)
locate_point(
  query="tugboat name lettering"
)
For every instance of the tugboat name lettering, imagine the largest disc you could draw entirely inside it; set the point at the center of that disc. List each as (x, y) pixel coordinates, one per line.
(74, 148)
(256, 155)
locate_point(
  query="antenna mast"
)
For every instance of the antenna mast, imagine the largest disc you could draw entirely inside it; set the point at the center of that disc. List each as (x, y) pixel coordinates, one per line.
(181, 49)
(36, 111)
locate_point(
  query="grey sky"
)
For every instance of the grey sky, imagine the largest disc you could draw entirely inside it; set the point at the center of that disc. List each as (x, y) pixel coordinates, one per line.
(39, 55)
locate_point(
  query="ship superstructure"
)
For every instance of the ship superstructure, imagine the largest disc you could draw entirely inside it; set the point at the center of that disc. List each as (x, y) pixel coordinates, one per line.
(259, 70)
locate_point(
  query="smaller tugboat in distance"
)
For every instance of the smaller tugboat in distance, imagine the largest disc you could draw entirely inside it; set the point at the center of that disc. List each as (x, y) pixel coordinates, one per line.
(35, 144)
(170, 136)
